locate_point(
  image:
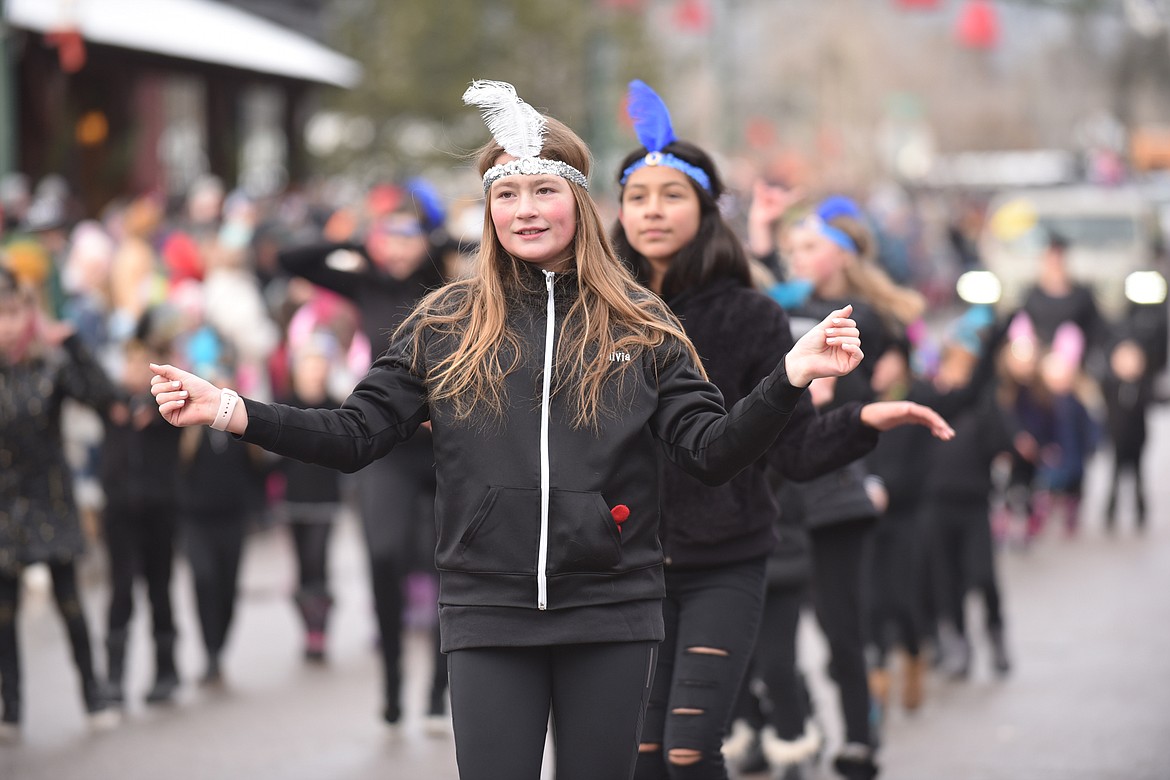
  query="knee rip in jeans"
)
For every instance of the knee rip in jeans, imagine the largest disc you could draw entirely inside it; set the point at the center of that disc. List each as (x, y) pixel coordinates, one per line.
(684, 756)
(708, 651)
(649, 747)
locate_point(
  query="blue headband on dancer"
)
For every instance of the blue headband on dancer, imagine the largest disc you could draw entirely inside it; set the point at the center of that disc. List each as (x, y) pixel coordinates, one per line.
(830, 208)
(652, 126)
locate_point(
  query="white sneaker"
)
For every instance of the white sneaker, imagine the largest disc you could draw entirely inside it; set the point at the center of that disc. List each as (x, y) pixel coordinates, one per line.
(105, 720)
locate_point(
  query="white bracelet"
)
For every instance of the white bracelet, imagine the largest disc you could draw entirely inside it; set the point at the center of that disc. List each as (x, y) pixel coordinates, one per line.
(228, 399)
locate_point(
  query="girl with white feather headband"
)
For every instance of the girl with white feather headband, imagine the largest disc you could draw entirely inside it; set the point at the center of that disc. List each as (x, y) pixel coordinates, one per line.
(552, 380)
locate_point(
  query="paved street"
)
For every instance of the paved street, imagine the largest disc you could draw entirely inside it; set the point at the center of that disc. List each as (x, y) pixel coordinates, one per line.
(1089, 623)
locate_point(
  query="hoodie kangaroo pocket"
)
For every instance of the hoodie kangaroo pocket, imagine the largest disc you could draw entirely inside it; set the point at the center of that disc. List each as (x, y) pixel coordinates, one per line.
(504, 534)
(583, 536)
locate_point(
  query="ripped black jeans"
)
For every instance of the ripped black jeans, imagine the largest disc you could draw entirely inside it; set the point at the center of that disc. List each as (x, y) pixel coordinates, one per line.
(712, 617)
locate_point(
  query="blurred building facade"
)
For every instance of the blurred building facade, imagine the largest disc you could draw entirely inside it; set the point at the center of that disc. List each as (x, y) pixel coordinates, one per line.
(125, 96)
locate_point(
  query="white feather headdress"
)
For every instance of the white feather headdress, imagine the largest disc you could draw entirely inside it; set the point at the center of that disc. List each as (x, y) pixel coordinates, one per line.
(519, 129)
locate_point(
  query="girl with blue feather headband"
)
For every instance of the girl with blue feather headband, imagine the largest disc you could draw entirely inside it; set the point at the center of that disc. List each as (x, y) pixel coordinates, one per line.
(717, 538)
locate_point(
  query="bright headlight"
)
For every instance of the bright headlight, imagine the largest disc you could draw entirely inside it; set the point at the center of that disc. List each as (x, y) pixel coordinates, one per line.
(1145, 287)
(979, 287)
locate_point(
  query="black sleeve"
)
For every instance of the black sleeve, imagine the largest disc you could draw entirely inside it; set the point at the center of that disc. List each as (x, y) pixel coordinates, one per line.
(84, 380)
(813, 443)
(311, 262)
(384, 409)
(708, 442)
(817, 443)
(952, 403)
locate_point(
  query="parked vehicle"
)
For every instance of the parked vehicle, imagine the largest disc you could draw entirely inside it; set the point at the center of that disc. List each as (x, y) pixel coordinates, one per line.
(1113, 233)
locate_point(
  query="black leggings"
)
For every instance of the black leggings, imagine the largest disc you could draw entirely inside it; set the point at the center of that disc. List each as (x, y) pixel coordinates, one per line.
(501, 698)
(141, 542)
(963, 559)
(214, 546)
(64, 576)
(711, 618)
(1127, 461)
(838, 559)
(311, 540)
(895, 576)
(397, 500)
(783, 702)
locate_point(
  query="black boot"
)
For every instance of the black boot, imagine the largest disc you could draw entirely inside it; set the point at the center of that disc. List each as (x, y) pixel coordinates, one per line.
(1000, 660)
(9, 677)
(855, 762)
(115, 667)
(166, 676)
(10, 702)
(1111, 512)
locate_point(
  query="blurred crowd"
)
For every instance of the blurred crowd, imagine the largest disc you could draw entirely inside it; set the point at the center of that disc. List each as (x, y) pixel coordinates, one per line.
(292, 297)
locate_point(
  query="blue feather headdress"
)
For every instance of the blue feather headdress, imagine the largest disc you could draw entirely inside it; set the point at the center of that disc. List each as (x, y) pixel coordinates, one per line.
(652, 126)
(830, 208)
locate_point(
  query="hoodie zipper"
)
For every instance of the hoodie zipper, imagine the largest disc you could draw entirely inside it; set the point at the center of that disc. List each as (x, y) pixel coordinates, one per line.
(545, 490)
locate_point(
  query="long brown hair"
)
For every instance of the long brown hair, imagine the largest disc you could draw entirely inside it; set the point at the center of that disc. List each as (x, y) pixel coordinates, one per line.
(612, 313)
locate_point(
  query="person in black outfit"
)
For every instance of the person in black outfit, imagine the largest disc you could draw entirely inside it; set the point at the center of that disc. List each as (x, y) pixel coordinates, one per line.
(385, 276)
(41, 364)
(956, 508)
(311, 495)
(1128, 394)
(1057, 298)
(220, 491)
(900, 611)
(553, 381)
(715, 539)
(139, 462)
(833, 257)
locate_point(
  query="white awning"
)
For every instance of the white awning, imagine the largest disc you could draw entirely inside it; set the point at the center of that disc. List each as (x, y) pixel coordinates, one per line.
(199, 30)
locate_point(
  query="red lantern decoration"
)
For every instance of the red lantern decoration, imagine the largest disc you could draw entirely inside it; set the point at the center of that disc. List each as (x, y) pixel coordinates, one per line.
(692, 15)
(70, 48)
(978, 25)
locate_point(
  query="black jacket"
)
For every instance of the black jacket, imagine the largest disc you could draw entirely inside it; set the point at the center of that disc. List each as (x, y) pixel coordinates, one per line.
(383, 301)
(959, 471)
(138, 465)
(528, 552)
(741, 335)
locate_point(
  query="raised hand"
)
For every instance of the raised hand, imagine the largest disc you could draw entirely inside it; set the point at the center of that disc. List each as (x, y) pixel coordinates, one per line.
(831, 348)
(770, 201)
(884, 415)
(183, 398)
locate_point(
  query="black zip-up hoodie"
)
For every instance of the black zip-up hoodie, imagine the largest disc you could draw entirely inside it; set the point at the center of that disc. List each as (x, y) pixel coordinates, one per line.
(528, 551)
(741, 334)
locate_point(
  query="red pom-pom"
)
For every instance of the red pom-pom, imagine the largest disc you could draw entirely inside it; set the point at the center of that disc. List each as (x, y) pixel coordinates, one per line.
(620, 513)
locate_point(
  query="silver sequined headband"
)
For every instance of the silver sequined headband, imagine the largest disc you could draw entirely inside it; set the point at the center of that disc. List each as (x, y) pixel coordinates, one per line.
(519, 129)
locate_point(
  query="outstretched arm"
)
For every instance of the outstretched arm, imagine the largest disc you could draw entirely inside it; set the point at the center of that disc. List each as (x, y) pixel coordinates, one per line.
(713, 445)
(185, 399)
(886, 415)
(385, 408)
